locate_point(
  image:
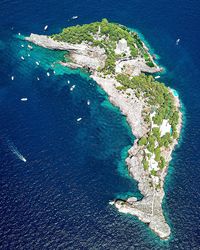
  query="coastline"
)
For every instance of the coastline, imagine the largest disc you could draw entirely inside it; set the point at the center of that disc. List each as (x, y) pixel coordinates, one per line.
(136, 170)
(149, 208)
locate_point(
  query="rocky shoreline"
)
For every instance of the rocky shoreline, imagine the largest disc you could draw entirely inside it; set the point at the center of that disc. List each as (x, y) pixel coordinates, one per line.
(149, 208)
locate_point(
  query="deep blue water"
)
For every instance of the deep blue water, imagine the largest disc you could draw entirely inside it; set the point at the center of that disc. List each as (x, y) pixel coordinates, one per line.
(59, 198)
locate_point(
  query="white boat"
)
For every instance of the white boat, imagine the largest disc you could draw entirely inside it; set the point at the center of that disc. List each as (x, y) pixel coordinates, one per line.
(19, 34)
(24, 99)
(178, 41)
(30, 47)
(68, 81)
(37, 63)
(54, 72)
(72, 87)
(48, 74)
(38, 78)
(79, 119)
(74, 17)
(12, 78)
(22, 45)
(46, 27)
(88, 102)
(22, 58)
(23, 159)
(29, 55)
(157, 77)
(16, 152)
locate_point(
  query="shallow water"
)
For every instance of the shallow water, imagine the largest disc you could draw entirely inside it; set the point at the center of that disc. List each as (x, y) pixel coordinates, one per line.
(59, 198)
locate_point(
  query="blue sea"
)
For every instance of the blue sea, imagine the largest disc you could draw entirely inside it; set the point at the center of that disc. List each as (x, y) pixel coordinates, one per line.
(59, 198)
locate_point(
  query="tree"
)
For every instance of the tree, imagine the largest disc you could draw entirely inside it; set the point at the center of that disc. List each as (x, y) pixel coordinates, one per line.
(145, 164)
(157, 154)
(150, 148)
(142, 141)
(153, 172)
(156, 132)
(162, 162)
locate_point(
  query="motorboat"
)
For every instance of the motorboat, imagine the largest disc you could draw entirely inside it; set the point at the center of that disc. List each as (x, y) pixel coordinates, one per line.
(24, 99)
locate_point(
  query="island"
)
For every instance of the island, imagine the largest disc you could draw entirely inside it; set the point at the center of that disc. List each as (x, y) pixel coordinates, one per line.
(119, 61)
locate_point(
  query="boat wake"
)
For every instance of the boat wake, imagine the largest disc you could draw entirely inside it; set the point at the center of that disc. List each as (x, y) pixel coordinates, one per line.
(16, 152)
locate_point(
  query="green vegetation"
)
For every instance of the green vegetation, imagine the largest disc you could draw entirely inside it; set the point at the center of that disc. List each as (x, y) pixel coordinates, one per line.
(153, 172)
(156, 95)
(142, 141)
(145, 164)
(162, 162)
(160, 102)
(105, 35)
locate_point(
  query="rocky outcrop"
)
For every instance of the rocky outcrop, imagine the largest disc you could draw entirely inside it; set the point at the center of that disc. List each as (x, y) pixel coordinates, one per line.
(149, 208)
(127, 102)
(83, 55)
(135, 67)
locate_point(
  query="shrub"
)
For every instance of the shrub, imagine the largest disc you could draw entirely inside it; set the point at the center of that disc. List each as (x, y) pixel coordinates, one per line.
(142, 141)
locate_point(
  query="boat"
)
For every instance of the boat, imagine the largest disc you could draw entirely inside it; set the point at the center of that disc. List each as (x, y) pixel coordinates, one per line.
(79, 119)
(38, 78)
(177, 41)
(37, 63)
(22, 45)
(72, 87)
(74, 17)
(19, 34)
(12, 78)
(88, 102)
(29, 55)
(22, 58)
(68, 81)
(48, 74)
(23, 159)
(24, 99)
(46, 27)
(157, 77)
(30, 47)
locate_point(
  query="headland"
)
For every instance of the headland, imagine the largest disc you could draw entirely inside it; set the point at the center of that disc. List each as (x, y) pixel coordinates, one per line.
(121, 64)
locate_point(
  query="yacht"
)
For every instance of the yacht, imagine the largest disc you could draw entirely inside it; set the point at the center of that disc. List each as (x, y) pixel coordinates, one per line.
(177, 41)
(72, 87)
(24, 99)
(74, 17)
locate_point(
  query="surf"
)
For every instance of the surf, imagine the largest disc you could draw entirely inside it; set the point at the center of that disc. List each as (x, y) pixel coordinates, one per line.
(15, 151)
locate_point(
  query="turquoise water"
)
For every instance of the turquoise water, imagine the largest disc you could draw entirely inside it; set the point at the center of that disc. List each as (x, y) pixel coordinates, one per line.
(175, 93)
